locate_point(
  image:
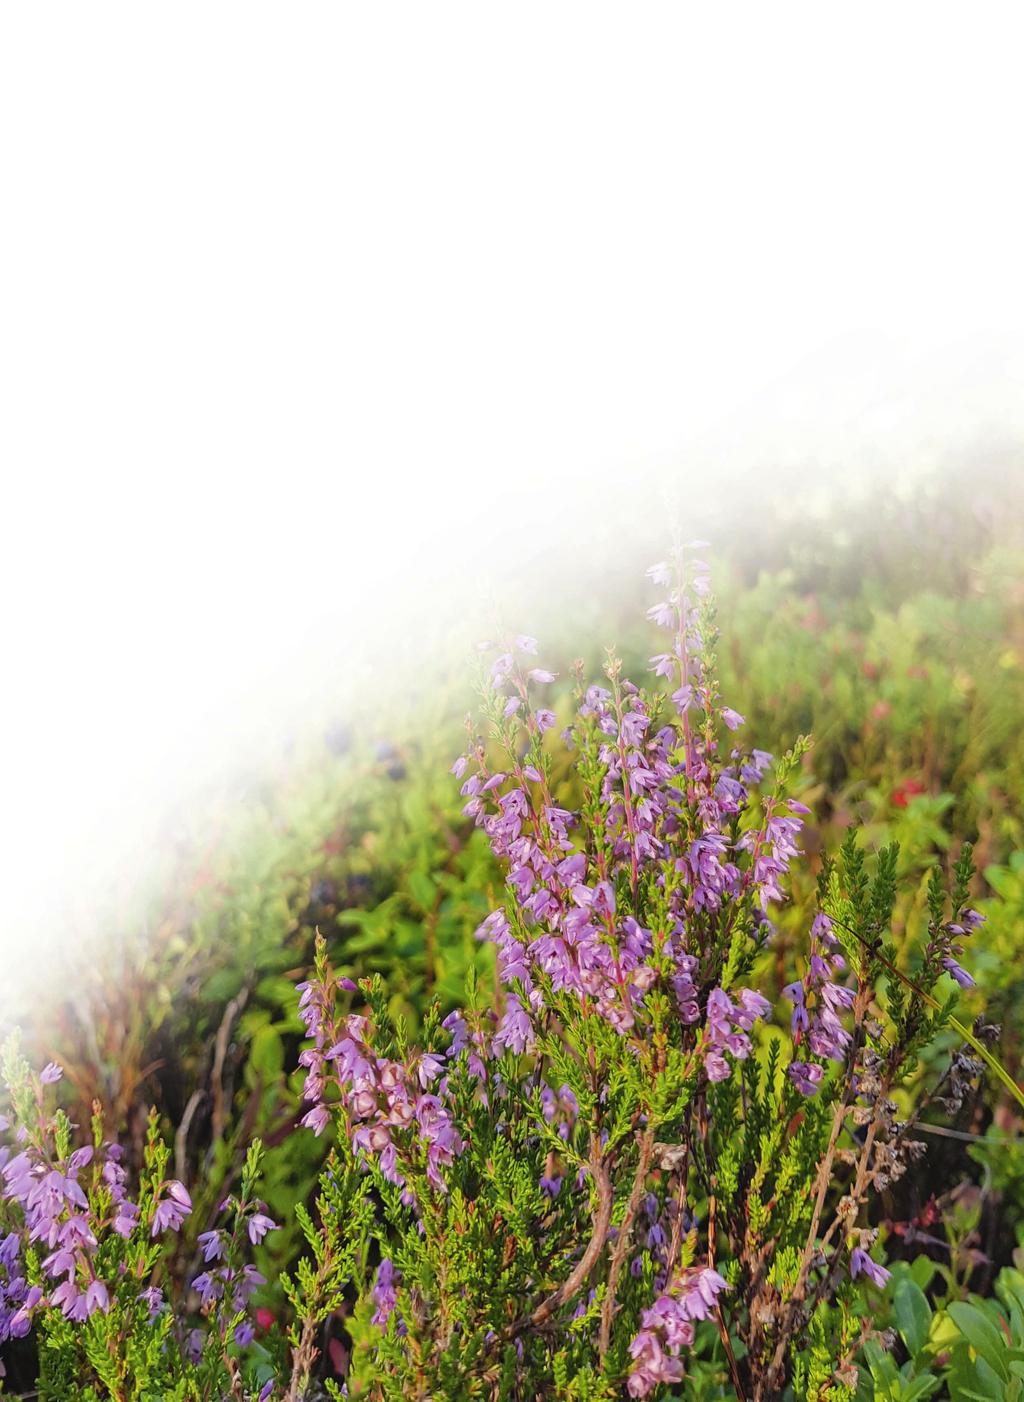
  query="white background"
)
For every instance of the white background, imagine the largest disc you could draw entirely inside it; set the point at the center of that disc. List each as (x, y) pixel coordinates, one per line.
(299, 303)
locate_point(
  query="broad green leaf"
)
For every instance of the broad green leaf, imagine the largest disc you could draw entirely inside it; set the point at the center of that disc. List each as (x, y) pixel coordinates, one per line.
(983, 1336)
(922, 1271)
(267, 1053)
(913, 1314)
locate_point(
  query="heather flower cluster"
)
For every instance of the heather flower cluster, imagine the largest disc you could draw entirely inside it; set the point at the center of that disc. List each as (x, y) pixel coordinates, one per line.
(225, 1288)
(79, 1246)
(947, 947)
(388, 1105)
(68, 1201)
(818, 1001)
(669, 812)
(668, 1327)
(728, 1026)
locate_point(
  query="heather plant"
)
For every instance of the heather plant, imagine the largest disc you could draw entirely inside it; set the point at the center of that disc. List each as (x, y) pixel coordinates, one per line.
(82, 1260)
(704, 1182)
(904, 663)
(622, 1169)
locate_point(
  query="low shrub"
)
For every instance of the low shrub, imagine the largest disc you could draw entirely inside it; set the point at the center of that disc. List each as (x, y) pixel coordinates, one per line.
(617, 1169)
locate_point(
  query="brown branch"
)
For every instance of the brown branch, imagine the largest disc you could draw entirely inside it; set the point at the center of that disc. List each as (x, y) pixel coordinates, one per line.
(622, 1241)
(676, 1240)
(303, 1359)
(723, 1330)
(181, 1136)
(219, 1056)
(602, 1222)
(587, 1262)
(734, 1367)
(823, 1178)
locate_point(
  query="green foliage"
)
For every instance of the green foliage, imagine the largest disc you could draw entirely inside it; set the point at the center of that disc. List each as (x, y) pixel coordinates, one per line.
(969, 1348)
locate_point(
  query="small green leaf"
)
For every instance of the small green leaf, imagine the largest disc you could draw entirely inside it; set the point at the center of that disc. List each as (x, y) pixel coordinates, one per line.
(922, 1386)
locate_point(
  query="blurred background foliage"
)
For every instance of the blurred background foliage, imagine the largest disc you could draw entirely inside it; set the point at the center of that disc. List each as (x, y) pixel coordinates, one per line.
(891, 629)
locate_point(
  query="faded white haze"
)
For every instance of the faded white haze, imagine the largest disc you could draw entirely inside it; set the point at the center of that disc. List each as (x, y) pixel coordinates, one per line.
(318, 321)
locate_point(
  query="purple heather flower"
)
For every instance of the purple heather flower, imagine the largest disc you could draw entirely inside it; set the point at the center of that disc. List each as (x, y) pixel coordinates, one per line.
(51, 1073)
(172, 1210)
(428, 1068)
(80, 1159)
(958, 972)
(317, 1119)
(861, 1263)
(501, 667)
(258, 1226)
(126, 1217)
(652, 1367)
(209, 1286)
(663, 614)
(70, 1301)
(384, 1295)
(18, 1326)
(244, 1284)
(212, 1245)
(806, 1076)
(153, 1299)
(515, 1030)
(824, 1032)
